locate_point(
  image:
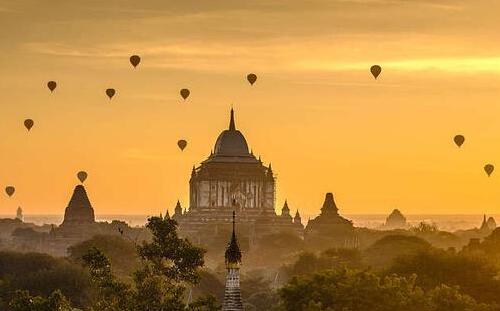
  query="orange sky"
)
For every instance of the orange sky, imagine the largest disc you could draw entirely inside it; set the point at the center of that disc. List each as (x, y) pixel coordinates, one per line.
(315, 112)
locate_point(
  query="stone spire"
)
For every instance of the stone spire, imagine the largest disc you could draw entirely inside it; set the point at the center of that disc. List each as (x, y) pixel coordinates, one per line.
(79, 210)
(285, 211)
(232, 294)
(19, 214)
(297, 219)
(270, 174)
(329, 205)
(177, 210)
(484, 225)
(232, 125)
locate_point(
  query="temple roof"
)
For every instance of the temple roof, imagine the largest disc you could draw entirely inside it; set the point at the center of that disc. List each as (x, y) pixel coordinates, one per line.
(329, 205)
(231, 146)
(329, 215)
(233, 253)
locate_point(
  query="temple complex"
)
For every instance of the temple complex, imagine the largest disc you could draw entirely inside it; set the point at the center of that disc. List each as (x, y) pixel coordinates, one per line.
(233, 179)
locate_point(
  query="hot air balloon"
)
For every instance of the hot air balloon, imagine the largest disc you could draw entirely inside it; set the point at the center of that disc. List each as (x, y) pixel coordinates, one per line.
(185, 93)
(10, 190)
(182, 144)
(252, 78)
(376, 70)
(459, 140)
(489, 168)
(82, 176)
(135, 60)
(52, 85)
(28, 124)
(110, 93)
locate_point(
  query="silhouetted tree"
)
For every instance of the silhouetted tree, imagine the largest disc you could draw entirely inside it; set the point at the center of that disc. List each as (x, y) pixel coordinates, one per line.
(361, 290)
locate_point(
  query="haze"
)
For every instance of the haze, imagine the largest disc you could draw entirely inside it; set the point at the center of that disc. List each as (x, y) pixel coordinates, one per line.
(315, 111)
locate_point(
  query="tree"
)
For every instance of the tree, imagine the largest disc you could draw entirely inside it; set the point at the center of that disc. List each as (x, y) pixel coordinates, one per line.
(111, 295)
(350, 290)
(474, 274)
(168, 264)
(308, 263)
(384, 251)
(121, 253)
(23, 301)
(41, 275)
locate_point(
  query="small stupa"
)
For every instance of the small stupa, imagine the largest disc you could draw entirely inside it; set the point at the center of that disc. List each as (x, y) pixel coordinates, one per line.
(396, 220)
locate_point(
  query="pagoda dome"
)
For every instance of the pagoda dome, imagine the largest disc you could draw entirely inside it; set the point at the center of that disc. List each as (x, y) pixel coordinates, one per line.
(231, 142)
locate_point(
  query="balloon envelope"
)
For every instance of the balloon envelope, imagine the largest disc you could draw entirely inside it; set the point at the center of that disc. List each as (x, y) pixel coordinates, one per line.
(110, 93)
(185, 93)
(252, 78)
(82, 176)
(28, 124)
(10, 190)
(376, 70)
(135, 60)
(182, 144)
(459, 140)
(52, 85)
(489, 168)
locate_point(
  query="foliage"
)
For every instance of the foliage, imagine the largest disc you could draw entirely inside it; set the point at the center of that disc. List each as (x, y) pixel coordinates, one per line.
(273, 250)
(121, 253)
(110, 295)
(168, 263)
(382, 253)
(41, 275)
(475, 275)
(258, 294)
(424, 227)
(23, 301)
(308, 263)
(168, 255)
(349, 290)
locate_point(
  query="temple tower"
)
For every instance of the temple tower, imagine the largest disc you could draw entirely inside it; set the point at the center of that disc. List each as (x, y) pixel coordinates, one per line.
(19, 214)
(232, 295)
(79, 210)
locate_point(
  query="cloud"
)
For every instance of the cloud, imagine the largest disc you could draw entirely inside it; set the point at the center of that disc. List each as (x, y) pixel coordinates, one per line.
(464, 64)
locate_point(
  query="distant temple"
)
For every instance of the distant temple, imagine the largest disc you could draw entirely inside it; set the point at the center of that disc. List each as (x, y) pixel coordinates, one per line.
(79, 210)
(19, 214)
(329, 228)
(395, 220)
(489, 224)
(232, 294)
(233, 179)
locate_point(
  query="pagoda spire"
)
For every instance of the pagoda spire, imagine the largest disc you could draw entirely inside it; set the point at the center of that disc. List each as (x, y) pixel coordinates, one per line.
(232, 294)
(329, 205)
(232, 126)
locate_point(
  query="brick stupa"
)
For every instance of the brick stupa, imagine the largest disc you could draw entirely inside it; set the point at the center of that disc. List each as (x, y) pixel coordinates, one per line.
(79, 210)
